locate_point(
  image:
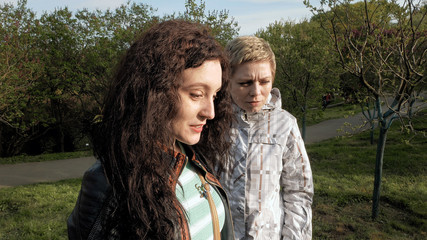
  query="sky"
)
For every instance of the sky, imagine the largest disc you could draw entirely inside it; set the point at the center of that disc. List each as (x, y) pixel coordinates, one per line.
(251, 15)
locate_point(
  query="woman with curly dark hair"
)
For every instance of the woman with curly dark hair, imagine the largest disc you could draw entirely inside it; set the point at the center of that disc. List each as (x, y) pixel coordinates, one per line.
(164, 131)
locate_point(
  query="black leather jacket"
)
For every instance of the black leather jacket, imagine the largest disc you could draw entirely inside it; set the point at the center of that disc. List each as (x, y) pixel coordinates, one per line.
(96, 194)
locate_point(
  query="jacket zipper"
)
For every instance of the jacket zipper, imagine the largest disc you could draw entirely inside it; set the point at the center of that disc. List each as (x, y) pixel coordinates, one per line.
(214, 214)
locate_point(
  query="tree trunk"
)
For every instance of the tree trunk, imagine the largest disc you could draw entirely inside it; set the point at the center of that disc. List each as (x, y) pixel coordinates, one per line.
(372, 133)
(61, 139)
(378, 169)
(1, 142)
(370, 116)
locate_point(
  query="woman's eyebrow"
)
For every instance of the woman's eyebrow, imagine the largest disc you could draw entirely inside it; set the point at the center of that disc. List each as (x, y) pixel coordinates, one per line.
(198, 85)
(194, 85)
(245, 80)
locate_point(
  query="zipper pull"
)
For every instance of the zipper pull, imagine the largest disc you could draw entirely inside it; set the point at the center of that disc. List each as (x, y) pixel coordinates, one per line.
(202, 191)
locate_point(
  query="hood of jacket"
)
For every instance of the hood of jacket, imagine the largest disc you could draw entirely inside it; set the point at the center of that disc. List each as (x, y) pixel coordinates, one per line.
(274, 101)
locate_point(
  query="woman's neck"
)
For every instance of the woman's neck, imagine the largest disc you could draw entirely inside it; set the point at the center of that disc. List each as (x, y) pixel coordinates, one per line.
(178, 147)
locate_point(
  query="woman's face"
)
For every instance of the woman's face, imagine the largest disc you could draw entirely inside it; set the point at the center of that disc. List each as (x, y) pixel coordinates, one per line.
(197, 93)
(251, 84)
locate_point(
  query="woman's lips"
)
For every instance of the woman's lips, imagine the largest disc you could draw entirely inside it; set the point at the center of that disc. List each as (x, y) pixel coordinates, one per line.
(254, 103)
(197, 128)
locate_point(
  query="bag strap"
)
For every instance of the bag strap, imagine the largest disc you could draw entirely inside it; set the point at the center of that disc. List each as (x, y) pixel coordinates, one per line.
(214, 214)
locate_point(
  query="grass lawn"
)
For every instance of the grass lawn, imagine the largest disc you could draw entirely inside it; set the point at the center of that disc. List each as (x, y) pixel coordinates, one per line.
(343, 171)
(45, 157)
(343, 110)
(37, 211)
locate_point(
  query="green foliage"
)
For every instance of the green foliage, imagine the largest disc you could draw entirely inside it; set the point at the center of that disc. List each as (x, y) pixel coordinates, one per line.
(375, 40)
(222, 26)
(80, 53)
(305, 68)
(54, 70)
(19, 67)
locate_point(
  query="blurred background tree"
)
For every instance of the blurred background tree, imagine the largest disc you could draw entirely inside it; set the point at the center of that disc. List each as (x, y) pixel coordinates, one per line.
(55, 69)
(306, 69)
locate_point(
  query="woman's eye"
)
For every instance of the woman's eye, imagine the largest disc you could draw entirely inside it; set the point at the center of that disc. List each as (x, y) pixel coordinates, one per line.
(244, 84)
(265, 82)
(196, 95)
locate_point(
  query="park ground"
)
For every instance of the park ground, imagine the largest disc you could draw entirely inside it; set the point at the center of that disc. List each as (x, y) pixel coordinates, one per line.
(343, 170)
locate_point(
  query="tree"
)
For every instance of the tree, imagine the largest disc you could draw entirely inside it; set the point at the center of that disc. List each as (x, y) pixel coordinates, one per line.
(19, 67)
(223, 28)
(304, 65)
(54, 71)
(59, 45)
(353, 92)
(381, 39)
(80, 53)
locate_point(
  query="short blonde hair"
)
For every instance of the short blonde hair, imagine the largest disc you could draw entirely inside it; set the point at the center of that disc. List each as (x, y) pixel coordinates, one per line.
(250, 49)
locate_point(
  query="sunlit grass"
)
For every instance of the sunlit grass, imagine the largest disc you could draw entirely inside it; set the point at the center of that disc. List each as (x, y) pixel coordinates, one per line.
(343, 170)
(340, 111)
(37, 211)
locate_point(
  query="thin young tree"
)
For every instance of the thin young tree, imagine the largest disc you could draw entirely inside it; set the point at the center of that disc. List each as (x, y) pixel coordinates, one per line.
(384, 45)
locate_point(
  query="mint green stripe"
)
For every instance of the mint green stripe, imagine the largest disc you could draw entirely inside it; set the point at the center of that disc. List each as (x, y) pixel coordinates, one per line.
(196, 207)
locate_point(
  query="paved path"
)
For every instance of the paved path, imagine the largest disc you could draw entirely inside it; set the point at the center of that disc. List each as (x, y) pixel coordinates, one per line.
(338, 127)
(51, 171)
(335, 127)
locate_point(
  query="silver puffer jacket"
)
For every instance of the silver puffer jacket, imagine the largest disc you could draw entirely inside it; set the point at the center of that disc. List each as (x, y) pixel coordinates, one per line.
(269, 178)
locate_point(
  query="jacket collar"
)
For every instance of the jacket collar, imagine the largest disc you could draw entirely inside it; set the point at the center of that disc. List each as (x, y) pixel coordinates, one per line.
(274, 101)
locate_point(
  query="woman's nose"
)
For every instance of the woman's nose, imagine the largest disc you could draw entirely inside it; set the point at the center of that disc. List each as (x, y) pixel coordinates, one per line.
(255, 89)
(208, 110)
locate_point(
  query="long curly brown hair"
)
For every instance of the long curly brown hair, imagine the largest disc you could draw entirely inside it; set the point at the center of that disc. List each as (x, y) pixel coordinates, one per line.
(137, 119)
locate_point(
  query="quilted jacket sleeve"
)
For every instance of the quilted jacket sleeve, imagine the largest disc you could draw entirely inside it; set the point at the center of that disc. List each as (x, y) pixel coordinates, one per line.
(94, 192)
(297, 188)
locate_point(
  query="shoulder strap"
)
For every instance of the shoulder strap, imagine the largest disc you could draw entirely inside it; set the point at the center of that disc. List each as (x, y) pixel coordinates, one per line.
(207, 194)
